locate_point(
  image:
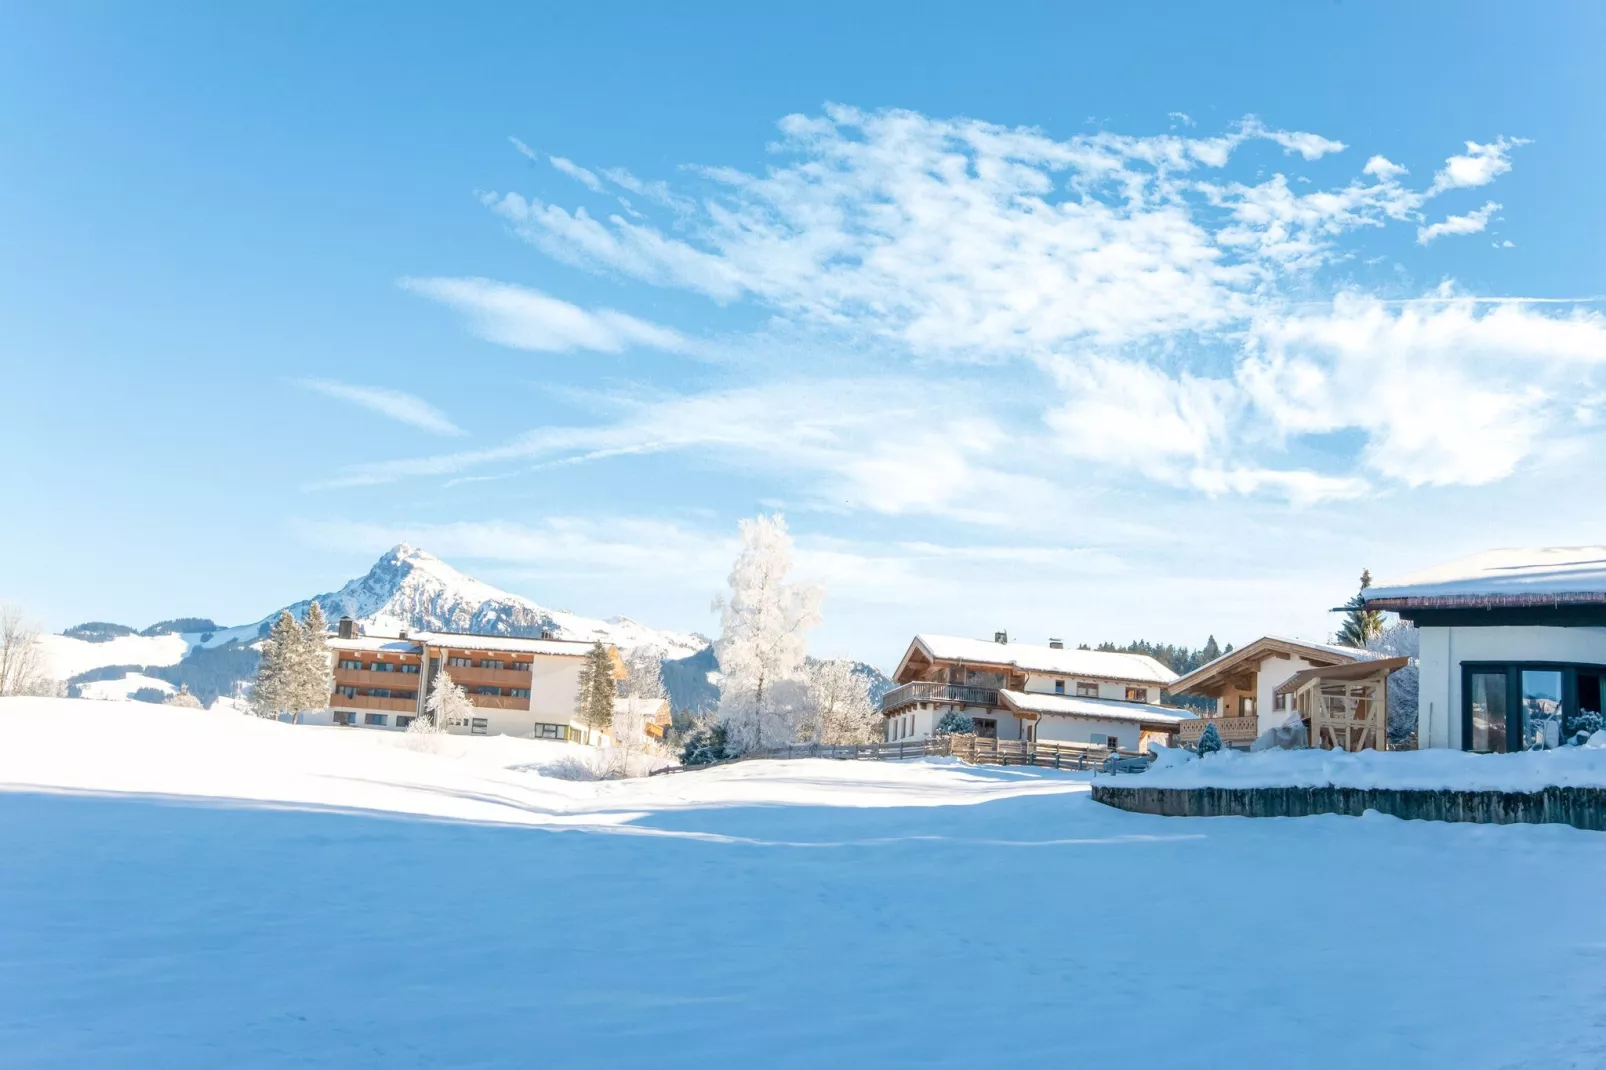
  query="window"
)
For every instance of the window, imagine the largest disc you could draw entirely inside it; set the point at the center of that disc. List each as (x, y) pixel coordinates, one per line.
(489, 664)
(986, 728)
(346, 690)
(519, 666)
(379, 692)
(381, 666)
(410, 667)
(374, 719)
(1541, 709)
(1246, 705)
(1137, 694)
(347, 663)
(1279, 702)
(410, 696)
(460, 663)
(1487, 699)
(343, 717)
(487, 690)
(1059, 687)
(518, 692)
(1086, 689)
(402, 720)
(478, 726)
(1112, 742)
(550, 731)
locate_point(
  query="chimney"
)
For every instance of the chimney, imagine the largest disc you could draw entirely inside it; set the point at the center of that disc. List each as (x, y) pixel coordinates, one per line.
(545, 634)
(1056, 644)
(403, 634)
(348, 628)
(1000, 637)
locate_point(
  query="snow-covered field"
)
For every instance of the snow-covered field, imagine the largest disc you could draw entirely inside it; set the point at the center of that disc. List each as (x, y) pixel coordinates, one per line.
(190, 888)
(1525, 771)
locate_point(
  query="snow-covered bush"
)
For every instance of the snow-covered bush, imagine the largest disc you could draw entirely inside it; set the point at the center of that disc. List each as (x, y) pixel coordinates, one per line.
(1209, 741)
(708, 741)
(182, 697)
(1582, 725)
(955, 724)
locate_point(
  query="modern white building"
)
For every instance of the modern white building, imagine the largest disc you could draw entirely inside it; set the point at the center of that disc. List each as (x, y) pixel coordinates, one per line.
(1023, 691)
(1513, 645)
(518, 687)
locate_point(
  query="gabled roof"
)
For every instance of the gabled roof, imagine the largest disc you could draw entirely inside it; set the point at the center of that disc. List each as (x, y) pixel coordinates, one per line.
(1269, 646)
(1512, 577)
(1356, 670)
(1053, 661)
(1101, 709)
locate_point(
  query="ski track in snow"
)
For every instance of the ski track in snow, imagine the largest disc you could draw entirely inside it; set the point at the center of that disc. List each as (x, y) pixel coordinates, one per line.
(192, 889)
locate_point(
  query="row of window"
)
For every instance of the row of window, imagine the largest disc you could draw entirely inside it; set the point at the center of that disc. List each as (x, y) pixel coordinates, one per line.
(511, 692)
(349, 691)
(1089, 689)
(487, 663)
(380, 666)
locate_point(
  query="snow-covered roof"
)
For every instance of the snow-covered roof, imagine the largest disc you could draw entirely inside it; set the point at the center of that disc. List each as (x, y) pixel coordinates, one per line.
(464, 641)
(1543, 576)
(1027, 657)
(1103, 709)
(415, 643)
(1265, 646)
(375, 643)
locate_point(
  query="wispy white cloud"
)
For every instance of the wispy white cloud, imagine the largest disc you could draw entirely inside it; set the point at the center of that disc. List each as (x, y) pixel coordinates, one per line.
(1472, 223)
(523, 318)
(395, 404)
(579, 174)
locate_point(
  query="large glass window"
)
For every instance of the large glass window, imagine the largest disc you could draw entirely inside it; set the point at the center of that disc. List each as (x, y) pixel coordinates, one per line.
(1541, 709)
(1488, 699)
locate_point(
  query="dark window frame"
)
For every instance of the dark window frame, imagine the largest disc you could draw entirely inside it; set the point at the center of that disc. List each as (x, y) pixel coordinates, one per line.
(1513, 670)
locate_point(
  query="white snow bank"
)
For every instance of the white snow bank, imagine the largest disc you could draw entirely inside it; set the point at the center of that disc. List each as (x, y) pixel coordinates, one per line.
(121, 689)
(1430, 769)
(142, 748)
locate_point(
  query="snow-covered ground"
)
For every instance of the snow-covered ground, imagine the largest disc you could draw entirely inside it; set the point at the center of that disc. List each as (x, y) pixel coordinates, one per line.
(1436, 768)
(110, 690)
(189, 888)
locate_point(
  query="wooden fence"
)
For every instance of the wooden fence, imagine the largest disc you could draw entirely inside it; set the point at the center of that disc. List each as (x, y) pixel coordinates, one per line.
(976, 751)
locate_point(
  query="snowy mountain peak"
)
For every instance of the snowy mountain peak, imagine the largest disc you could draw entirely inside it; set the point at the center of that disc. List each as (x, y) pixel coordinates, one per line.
(409, 588)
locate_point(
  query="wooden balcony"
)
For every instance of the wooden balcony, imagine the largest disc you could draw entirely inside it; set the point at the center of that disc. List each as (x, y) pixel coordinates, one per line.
(498, 702)
(1236, 730)
(929, 691)
(477, 677)
(400, 681)
(369, 702)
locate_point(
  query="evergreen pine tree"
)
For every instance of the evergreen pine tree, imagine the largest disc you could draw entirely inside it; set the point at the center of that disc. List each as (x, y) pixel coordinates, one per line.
(1209, 741)
(313, 676)
(274, 689)
(598, 688)
(1210, 652)
(1361, 625)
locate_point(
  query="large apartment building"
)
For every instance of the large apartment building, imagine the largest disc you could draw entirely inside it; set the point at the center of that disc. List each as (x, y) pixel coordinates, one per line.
(1031, 693)
(518, 687)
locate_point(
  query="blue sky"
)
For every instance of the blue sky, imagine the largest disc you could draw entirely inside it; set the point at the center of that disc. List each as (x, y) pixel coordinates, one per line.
(1006, 307)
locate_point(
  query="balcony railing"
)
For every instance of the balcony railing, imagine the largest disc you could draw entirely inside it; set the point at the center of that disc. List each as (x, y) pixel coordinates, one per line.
(372, 702)
(928, 691)
(1230, 729)
(469, 676)
(499, 702)
(406, 681)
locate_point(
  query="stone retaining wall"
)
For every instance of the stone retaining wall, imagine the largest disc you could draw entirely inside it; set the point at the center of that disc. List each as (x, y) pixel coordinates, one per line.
(1583, 808)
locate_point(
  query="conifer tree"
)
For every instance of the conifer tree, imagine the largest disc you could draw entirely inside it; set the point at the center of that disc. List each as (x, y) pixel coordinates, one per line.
(274, 689)
(313, 675)
(594, 704)
(1209, 741)
(1361, 625)
(1210, 652)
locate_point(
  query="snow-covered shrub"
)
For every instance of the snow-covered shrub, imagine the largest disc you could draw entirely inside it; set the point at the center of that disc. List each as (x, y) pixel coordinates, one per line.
(1209, 741)
(706, 742)
(424, 734)
(182, 697)
(953, 723)
(1582, 725)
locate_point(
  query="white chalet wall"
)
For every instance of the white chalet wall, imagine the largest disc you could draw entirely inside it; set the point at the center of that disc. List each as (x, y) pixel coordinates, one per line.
(1445, 649)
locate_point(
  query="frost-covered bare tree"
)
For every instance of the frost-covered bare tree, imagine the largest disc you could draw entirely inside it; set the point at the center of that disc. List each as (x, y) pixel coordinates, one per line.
(22, 659)
(1400, 640)
(837, 706)
(644, 673)
(447, 703)
(182, 698)
(765, 621)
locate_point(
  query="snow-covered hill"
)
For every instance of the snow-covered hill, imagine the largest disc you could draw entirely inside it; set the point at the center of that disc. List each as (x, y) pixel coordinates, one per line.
(412, 589)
